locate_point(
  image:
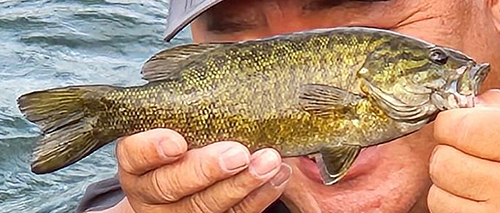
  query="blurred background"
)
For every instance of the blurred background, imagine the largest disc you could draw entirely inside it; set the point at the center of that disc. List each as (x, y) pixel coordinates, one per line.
(54, 43)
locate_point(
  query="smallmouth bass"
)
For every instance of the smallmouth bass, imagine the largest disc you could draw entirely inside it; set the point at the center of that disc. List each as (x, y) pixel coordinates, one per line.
(329, 92)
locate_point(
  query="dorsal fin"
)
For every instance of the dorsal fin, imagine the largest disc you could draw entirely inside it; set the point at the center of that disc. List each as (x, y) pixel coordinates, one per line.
(164, 63)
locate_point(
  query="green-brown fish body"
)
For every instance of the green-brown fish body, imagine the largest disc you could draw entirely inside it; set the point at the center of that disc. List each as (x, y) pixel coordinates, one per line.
(331, 92)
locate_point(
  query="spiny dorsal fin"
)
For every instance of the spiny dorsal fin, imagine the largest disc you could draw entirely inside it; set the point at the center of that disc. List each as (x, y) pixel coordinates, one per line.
(164, 63)
(335, 161)
(322, 100)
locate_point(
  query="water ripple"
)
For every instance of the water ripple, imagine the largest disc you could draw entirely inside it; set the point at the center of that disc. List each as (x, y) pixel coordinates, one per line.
(53, 43)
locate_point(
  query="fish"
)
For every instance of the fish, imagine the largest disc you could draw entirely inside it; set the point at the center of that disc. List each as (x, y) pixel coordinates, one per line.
(327, 93)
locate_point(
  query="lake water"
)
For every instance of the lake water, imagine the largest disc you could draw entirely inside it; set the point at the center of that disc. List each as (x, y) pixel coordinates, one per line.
(53, 43)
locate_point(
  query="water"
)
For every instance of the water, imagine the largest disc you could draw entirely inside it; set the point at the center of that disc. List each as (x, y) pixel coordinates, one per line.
(53, 43)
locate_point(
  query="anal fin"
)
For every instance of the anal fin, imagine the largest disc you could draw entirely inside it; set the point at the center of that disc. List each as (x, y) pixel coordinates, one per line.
(334, 162)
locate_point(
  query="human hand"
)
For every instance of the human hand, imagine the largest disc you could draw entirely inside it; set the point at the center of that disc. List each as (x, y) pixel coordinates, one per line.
(465, 166)
(157, 174)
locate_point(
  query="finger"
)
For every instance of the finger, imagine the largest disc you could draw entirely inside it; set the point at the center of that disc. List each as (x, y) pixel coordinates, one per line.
(144, 151)
(227, 193)
(257, 201)
(198, 169)
(264, 196)
(490, 98)
(464, 175)
(441, 201)
(474, 131)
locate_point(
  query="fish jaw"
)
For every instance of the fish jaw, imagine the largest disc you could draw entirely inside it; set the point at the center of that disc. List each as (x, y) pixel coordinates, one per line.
(455, 96)
(478, 74)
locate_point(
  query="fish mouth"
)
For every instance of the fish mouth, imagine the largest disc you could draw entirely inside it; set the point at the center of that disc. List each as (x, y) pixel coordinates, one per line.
(455, 96)
(478, 74)
(475, 76)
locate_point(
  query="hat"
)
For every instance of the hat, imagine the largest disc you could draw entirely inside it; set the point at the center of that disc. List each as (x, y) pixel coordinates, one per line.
(183, 12)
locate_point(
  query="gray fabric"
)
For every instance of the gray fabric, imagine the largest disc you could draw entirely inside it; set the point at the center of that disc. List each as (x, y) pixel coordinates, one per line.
(182, 12)
(101, 195)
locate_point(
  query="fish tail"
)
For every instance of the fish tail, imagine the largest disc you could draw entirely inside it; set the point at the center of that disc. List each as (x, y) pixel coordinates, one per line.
(67, 116)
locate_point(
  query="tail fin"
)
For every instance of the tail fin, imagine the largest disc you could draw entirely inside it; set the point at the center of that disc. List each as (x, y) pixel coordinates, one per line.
(67, 123)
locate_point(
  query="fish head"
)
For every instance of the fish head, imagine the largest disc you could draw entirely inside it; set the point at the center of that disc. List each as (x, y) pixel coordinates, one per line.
(413, 73)
(464, 78)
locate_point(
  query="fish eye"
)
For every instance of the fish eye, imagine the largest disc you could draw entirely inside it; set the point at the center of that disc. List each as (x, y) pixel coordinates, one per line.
(438, 56)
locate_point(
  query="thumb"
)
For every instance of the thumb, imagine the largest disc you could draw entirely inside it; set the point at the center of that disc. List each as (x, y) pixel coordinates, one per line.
(149, 150)
(490, 98)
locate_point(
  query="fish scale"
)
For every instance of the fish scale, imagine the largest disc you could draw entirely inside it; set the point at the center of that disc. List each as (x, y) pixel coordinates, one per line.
(327, 92)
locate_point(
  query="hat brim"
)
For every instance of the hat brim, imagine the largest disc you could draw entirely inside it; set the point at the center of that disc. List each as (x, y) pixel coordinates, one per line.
(183, 12)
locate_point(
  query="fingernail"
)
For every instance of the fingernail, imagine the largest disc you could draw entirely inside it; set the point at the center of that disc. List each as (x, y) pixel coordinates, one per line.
(170, 148)
(264, 161)
(282, 177)
(234, 158)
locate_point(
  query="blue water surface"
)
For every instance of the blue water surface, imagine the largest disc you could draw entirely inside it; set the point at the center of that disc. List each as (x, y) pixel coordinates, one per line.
(54, 43)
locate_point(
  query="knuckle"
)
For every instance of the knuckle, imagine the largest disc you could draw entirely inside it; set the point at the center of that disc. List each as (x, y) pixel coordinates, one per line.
(128, 185)
(234, 209)
(233, 190)
(438, 161)
(203, 173)
(432, 198)
(173, 184)
(242, 207)
(199, 204)
(124, 158)
(238, 187)
(434, 161)
(167, 188)
(206, 170)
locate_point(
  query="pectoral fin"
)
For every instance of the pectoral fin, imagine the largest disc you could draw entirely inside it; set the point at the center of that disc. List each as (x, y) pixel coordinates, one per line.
(334, 162)
(322, 100)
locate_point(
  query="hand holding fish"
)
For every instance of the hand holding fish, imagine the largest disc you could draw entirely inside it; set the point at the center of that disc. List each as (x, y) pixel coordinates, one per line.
(158, 175)
(465, 167)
